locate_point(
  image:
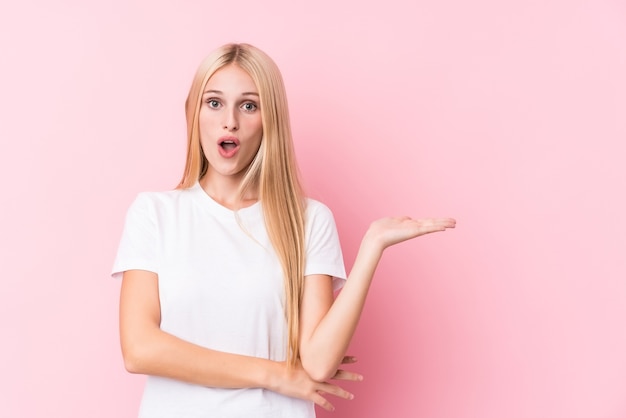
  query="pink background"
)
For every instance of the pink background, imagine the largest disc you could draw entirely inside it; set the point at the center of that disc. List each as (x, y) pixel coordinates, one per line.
(509, 116)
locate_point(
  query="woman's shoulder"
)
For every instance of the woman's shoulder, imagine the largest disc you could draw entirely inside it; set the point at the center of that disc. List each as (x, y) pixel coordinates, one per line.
(316, 209)
(163, 199)
(313, 205)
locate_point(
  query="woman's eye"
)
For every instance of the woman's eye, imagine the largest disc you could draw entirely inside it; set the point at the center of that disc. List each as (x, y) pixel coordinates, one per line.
(213, 103)
(249, 107)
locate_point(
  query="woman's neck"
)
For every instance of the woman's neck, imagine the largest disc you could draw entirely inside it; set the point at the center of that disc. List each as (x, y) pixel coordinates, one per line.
(225, 191)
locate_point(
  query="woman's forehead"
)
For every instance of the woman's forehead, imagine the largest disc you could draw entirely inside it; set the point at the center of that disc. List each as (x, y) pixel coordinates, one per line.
(231, 79)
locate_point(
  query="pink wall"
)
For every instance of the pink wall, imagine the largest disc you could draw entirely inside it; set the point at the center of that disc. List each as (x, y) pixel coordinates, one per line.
(509, 116)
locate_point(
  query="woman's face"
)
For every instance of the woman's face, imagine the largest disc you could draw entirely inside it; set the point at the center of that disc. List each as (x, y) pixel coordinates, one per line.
(230, 122)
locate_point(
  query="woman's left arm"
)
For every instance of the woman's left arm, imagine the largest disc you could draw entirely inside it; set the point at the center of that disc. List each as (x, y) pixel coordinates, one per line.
(327, 326)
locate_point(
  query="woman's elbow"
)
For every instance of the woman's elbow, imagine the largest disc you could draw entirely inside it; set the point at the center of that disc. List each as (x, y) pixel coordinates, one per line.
(318, 369)
(134, 359)
(131, 363)
(322, 375)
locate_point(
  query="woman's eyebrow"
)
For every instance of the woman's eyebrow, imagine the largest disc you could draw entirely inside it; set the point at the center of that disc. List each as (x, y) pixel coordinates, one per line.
(247, 93)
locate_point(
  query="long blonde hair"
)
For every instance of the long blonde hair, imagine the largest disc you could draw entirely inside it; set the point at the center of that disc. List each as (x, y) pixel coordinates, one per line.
(273, 171)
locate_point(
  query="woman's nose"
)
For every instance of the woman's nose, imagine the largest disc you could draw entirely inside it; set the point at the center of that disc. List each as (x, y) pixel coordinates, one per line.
(231, 123)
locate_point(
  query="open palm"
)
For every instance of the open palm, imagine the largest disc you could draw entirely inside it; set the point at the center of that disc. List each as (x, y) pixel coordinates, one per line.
(393, 230)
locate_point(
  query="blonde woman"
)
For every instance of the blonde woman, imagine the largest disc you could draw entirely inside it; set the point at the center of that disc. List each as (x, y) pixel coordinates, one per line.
(227, 292)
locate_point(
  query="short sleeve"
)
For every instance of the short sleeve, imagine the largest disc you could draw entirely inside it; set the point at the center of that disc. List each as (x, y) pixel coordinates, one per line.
(139, 242)
(323, 255)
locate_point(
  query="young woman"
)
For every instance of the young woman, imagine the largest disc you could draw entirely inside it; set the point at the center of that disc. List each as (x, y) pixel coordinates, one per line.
(227, 293)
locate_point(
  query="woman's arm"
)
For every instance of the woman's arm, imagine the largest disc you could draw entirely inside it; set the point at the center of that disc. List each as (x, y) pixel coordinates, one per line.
(149, 350)
(326, 326)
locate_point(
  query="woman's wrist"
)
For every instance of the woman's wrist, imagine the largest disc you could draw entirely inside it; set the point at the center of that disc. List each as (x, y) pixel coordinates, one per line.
(371, 248)
(272, 375)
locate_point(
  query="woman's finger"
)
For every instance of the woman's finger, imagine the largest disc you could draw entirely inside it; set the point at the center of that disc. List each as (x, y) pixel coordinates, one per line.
(348, 360)
(322, 401)
(334, 390)
(347, 375)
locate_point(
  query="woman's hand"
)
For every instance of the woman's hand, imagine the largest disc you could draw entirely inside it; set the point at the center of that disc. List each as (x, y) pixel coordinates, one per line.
(295, 382)
(386, 232)
(346, 374)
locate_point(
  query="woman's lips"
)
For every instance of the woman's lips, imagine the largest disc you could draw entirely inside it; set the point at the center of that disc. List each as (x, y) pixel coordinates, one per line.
(228, 146)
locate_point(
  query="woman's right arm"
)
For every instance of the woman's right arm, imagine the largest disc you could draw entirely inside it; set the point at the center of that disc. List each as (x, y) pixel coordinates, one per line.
(149, 350)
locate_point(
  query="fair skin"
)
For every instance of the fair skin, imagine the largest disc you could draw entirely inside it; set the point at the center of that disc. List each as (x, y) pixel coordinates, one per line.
(231, 133)
(231, 130)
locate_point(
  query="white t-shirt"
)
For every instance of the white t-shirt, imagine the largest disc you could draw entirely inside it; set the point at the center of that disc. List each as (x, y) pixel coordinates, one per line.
(220, 286)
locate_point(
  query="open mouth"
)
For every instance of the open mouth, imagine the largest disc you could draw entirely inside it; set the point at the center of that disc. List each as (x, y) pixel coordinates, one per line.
(228, 145)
